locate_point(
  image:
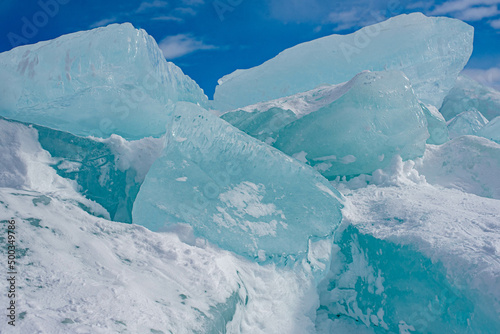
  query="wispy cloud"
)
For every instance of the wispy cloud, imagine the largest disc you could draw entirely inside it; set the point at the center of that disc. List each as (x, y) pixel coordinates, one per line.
(181, 45)
(460, 5)
(354, 18)
(495, 24)
(185, 11)
(478, 13)
(488, 77)
(167, 18)
(103, 22)
(146, 6)
(344, 20)
(468, 10)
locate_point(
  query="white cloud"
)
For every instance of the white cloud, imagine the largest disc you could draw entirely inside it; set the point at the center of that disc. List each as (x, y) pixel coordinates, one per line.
(495, 24)
(103, 22)
(181, 45)
(186, 11)
(460, 5)
(488, 77)
(356, 17)
(344, 20)
(478, 13)
(148, 5)
(167, 18)
(468, 10)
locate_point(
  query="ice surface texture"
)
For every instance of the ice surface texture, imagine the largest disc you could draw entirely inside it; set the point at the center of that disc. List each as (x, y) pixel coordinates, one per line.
(345, 129)
(468, 94)
(184, 288)
(431, 51)
(466, 123)
(468, 163)
(25, 165)
(98, 82)
(108, 171)
(491, 130)
(234, 190)
(453, 287)
(436, 125)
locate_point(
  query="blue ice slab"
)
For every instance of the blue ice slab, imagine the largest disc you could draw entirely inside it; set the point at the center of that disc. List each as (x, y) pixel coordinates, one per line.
(98, 82)
(431, 51)
(466, 123)
(436, 125)
(106, 171)
(468, 94)
(234, 190)
(393, 288)
(343, 130)
(491, 130)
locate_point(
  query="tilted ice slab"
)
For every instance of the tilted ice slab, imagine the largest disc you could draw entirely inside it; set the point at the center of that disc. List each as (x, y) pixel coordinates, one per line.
(265, 120)
(468, 94)
(491, 130)
(467, 163)
(431, 51)
(346, 129)
(234, 190)
(107, 80)
(466, 123)
(436, 125)
(107, 171)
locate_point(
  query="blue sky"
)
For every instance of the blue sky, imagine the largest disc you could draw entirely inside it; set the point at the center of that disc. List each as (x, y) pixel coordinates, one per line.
(211, 38)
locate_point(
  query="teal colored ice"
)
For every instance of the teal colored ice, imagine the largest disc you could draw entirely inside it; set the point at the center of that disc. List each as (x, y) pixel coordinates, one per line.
(108, 172)
(256, 234)
(234, 190)
(466, 123)
(107, 80)
(366, 282)
(469, 94)
(431, 51)
(377, 118)
(436, 125)
(491, 130)
(343, 130)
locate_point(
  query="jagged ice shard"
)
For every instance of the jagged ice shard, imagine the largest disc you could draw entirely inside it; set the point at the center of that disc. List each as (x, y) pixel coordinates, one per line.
(469, 94)
(436, 125)
(98, 82)
(106, 171)
(234, 190)
(466, 123)
(343, 130)
(431, 51)
(491, 130)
